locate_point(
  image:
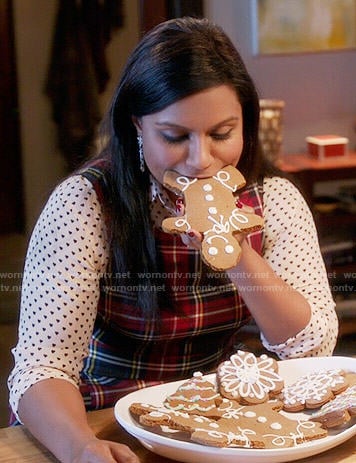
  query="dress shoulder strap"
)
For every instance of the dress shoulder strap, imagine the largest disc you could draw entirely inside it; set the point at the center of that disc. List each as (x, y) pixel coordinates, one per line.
(95, 173)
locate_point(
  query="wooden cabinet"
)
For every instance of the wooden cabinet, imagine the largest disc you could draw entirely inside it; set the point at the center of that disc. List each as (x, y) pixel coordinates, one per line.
(307, 172)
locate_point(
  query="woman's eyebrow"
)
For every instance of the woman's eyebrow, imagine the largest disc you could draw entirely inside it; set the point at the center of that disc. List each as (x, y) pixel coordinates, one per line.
(178, 126)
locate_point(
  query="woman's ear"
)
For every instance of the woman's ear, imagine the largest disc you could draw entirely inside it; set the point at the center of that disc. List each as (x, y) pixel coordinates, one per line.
(137, 123)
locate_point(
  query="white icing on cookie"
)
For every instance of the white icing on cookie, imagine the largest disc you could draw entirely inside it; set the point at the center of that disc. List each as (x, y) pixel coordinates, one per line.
(344, 401)
(314, 386)
(247, 376)
(229, 249)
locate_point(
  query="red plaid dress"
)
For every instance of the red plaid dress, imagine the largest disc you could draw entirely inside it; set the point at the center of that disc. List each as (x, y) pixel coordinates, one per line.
(200, 312)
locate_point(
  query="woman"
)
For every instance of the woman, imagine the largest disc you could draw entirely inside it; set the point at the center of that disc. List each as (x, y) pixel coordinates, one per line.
(101, 272)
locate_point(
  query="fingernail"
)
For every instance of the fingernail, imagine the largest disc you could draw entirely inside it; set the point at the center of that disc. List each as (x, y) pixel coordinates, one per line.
(179, 201)
(239, 204)
(179, 207)
(191, 234)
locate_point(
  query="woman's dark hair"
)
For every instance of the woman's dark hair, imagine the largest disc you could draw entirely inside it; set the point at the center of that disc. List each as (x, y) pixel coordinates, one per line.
(174, 60)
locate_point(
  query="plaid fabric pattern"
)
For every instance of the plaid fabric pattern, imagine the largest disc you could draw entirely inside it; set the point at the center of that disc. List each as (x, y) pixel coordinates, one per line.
(200, 315)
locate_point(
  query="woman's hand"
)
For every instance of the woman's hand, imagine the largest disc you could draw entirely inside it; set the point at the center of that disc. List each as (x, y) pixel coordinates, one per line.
(192, 239)
(74, 440)
(103, 451)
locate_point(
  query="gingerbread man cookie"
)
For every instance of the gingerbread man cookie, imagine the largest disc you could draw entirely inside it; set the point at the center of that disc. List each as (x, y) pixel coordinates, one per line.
(217, 433)
(151, 415)
(210, 208)
(253, 426)
(273, 429)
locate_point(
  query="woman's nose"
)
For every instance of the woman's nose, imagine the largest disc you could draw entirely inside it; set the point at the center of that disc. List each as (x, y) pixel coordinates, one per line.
(199, 156)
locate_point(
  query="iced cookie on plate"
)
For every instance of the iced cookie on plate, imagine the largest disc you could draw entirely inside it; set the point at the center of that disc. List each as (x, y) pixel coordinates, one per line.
(340, 410)
(195, 396)
(151, 415)
(249, 379)
(313, 390)
(251, 426)
(273, 429)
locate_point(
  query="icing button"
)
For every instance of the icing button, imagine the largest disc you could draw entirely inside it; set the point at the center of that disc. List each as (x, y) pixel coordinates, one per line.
(229, 249)
(213, 251)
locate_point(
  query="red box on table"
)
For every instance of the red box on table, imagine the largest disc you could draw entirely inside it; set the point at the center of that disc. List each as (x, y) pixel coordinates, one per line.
(323, 146)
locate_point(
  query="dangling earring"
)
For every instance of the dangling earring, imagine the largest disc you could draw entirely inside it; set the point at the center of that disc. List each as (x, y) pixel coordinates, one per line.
(140, 153)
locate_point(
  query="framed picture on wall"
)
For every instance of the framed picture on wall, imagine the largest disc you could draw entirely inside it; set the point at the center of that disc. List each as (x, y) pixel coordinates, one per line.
(299, 26)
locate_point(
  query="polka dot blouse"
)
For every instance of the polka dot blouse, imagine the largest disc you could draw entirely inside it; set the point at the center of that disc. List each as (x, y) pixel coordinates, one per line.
(68, 253)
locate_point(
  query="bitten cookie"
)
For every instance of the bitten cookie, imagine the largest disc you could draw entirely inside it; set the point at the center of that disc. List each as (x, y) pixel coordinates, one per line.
(313, 390)
(249, 379)
(210, 208)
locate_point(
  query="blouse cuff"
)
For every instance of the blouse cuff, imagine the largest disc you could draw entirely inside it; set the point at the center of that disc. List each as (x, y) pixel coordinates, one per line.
(308, 342)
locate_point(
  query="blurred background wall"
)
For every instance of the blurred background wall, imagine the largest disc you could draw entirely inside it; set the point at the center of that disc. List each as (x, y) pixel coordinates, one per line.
(318, 88)
(43, 164)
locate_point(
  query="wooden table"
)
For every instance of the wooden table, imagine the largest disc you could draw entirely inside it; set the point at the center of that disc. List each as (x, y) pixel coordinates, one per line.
(17, 446)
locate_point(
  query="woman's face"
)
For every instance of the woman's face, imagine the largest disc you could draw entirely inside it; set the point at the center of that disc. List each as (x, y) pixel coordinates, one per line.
(196, 136)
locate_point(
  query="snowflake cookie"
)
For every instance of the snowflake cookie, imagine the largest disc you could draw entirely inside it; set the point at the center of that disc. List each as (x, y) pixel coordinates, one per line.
(249, 379)
(313, 390)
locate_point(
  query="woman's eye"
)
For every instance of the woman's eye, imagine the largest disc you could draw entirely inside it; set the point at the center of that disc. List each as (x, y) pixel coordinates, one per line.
(221, 136)
(174, 138)
(169, 138)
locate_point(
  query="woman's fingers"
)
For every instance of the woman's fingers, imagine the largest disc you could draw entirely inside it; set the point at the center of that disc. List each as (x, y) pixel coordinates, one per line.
(103, 451)
(244, 207)
(192, 239)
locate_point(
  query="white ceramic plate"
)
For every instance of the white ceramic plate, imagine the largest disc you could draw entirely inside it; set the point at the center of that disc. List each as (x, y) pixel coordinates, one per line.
(184, 451)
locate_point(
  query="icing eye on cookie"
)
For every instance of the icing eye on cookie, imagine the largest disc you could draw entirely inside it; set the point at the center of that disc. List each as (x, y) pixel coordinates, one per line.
(210, 208)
